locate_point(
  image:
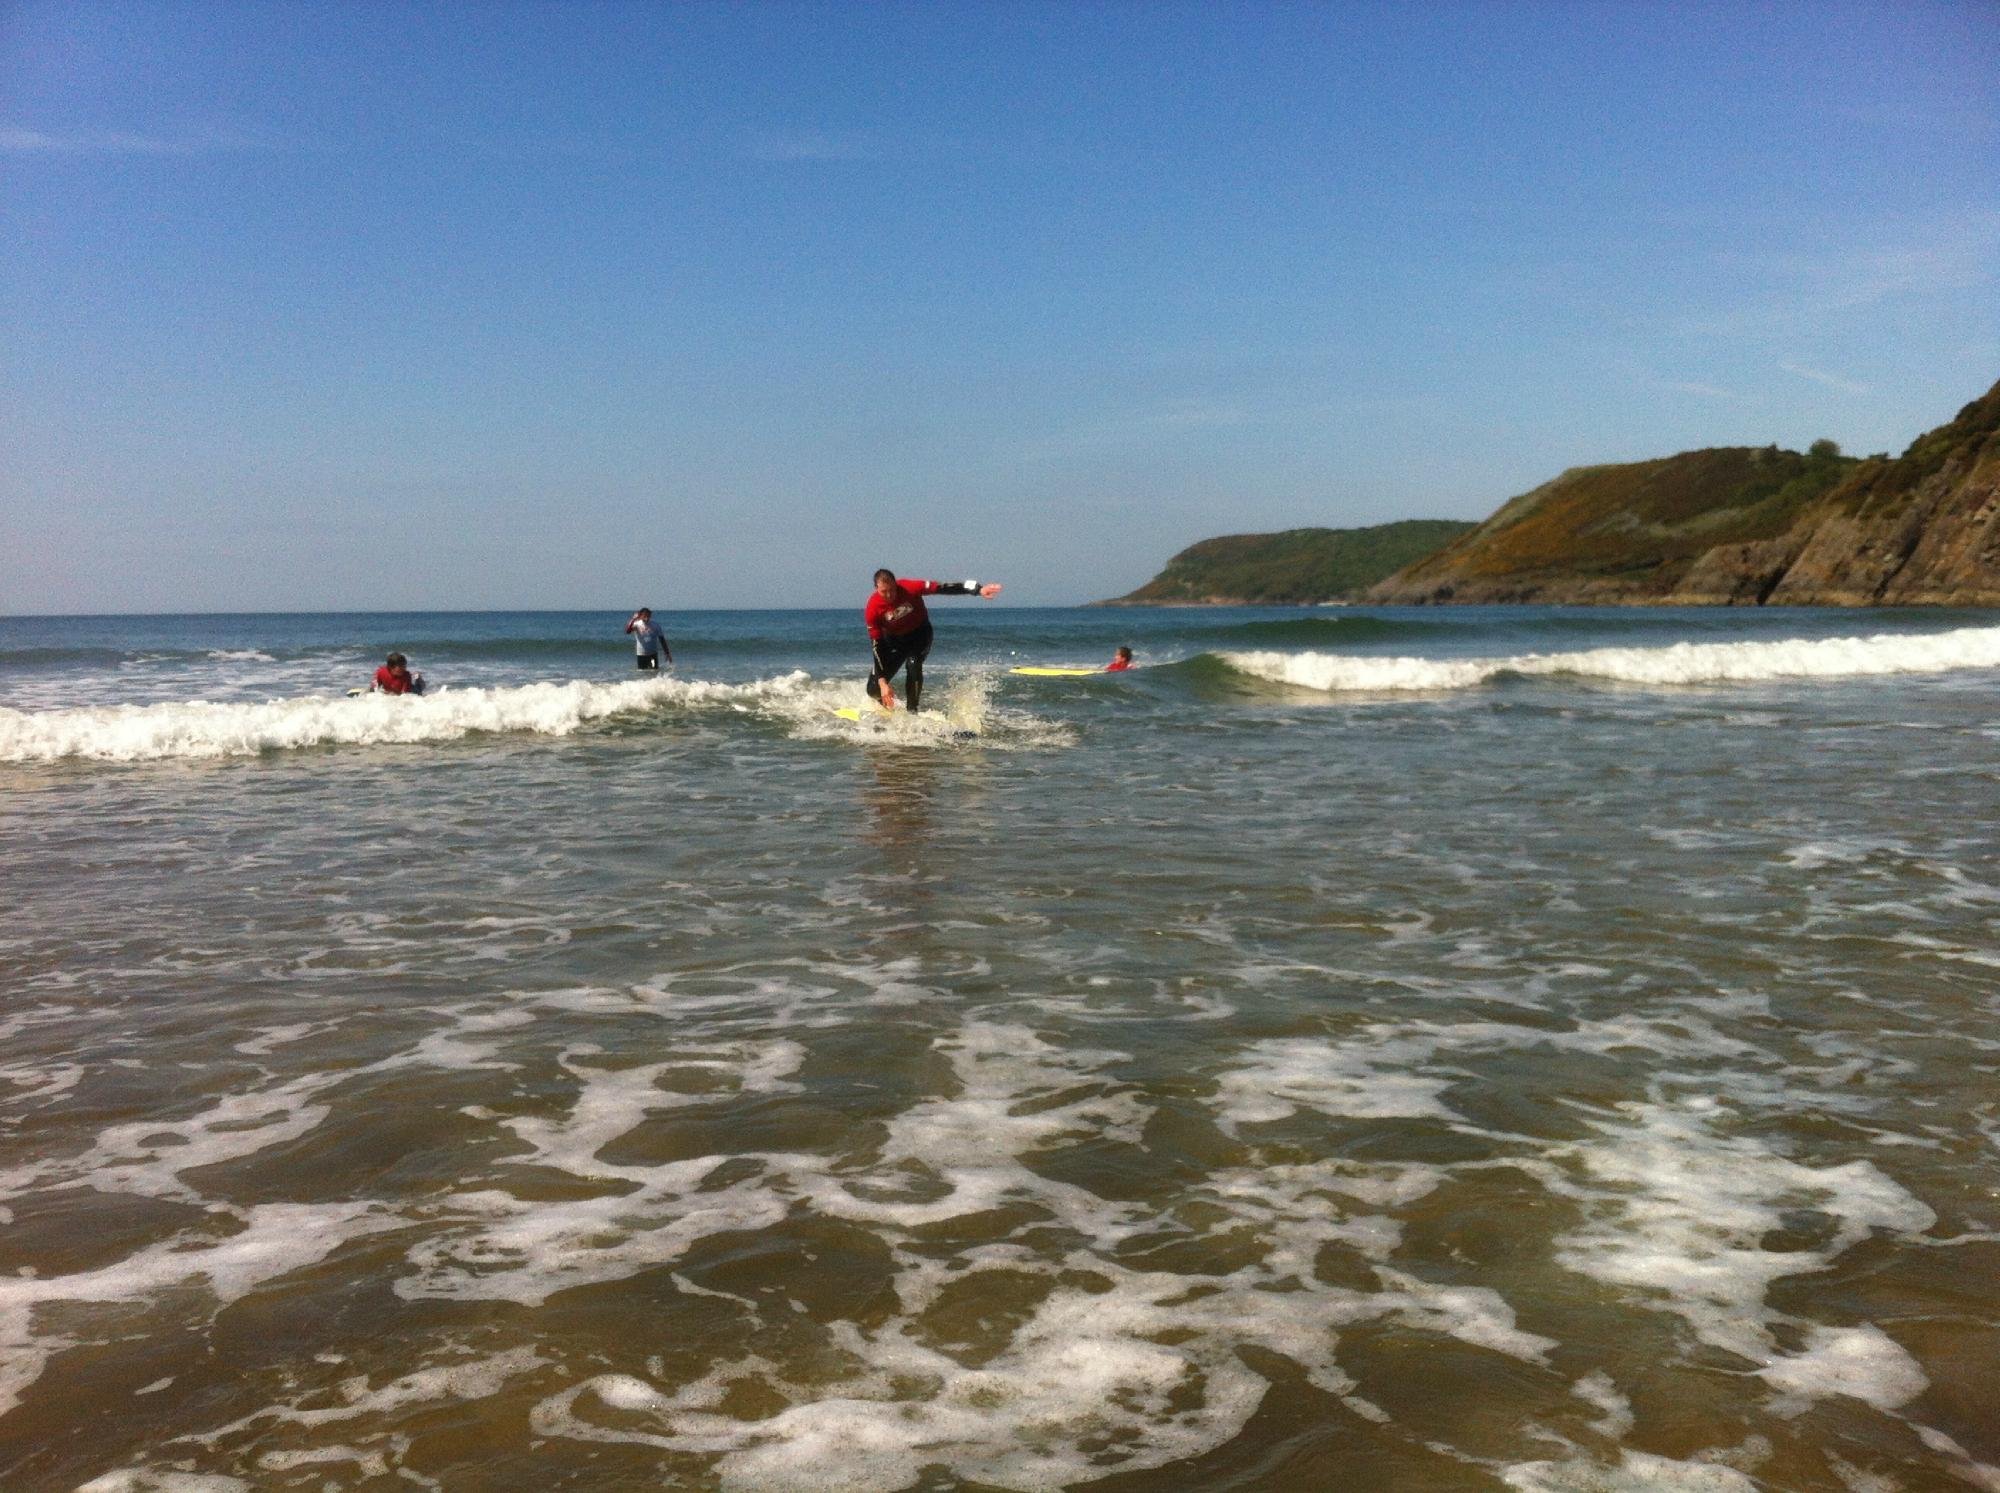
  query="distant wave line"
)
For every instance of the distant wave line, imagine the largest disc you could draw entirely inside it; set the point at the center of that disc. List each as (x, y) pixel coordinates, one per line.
(1679, 663)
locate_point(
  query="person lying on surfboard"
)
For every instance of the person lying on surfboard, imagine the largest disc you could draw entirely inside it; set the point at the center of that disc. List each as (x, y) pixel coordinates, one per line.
(1120, 661)
(395, 678)
(899, 630)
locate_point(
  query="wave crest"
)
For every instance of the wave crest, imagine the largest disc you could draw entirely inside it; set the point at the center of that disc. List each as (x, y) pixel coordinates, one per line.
(200, 728)
(1681, 663)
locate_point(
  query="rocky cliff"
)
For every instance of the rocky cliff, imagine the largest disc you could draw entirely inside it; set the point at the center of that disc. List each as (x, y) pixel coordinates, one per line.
(1744, 526)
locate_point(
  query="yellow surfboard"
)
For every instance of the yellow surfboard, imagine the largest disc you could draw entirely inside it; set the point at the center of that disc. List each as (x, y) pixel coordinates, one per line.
(901, 725)
(1039, 673)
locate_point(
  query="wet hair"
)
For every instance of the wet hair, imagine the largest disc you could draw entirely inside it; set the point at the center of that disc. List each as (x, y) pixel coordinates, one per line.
(889, 574)
(397, 661)
(1123, 652)
(643, 612)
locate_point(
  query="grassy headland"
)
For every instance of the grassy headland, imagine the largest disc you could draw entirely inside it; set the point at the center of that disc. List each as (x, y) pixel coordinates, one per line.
(1298, 567)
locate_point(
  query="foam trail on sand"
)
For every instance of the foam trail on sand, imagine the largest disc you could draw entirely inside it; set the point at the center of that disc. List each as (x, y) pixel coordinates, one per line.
(1110, 1363)
(1681, 663)
(1636, 1472)
(276, 1239)
(1677, 1210)
(147, 1480)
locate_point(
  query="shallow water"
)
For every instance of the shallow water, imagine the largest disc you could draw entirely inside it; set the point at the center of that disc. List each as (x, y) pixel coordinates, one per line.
(1352, 1051)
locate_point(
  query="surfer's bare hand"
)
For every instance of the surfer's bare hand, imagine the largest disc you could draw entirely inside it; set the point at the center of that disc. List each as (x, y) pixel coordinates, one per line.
(991, 588)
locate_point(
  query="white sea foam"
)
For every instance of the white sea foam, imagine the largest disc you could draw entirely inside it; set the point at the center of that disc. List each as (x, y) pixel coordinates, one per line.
(962, 712)
(276, 1239)
(1597, 1388)
(1368, 1078)
(37, 1082)
(472, 1041)
(199, 728)
(1636, 1472)
(378, 1446)
(1979, 1474)
(1859, 1361)
(502, 1247)
(973, 1142)
(1144, 1364)
(155, 1480)
(1679, 1210)
(147, 1157)
(1114, 1365)
(461, 1378)
(1680, 663)
(267, 1038)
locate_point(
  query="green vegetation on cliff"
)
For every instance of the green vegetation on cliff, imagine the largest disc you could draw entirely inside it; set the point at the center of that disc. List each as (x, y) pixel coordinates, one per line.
(1886, 487)
(1731, 526)
(1297, 567)
(1626, 532)
(1745, 526)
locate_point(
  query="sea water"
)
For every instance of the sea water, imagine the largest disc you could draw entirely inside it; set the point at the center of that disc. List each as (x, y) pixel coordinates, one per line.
(1443, 1049)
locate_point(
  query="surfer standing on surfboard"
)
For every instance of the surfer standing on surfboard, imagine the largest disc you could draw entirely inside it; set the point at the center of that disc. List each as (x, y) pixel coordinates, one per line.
(899, 630)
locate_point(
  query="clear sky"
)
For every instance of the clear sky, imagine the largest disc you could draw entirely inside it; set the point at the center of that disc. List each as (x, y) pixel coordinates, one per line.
(387, 305)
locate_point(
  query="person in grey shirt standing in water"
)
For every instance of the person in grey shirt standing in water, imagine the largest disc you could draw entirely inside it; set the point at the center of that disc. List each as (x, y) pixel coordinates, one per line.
(651, 641)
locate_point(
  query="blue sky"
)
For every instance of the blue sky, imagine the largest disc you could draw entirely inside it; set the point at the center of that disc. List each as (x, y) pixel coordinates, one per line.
(547, 305)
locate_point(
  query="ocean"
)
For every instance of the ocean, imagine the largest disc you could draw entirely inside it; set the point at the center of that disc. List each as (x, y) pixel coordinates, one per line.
(1443, 1049)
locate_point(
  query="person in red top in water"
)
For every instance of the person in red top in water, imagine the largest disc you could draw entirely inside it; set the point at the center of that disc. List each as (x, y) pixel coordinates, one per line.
(1120, 661)
(395, 678)
(899, 630)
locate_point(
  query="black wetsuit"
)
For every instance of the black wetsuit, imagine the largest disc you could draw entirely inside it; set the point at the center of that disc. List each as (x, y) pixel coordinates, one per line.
(908, 653)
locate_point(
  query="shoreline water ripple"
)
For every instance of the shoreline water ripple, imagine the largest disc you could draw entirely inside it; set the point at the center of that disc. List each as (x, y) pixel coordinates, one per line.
(1162, 1078)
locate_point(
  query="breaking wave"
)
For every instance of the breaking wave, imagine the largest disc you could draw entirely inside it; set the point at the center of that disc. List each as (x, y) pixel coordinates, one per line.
(795, 703)
(201, 728)
(1682, 663)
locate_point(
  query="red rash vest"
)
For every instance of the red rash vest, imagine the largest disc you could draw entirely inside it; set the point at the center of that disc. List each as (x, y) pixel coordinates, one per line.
(903, 615)
(392, 683)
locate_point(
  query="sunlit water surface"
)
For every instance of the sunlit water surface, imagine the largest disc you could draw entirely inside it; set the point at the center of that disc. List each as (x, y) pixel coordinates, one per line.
(1352, 1051)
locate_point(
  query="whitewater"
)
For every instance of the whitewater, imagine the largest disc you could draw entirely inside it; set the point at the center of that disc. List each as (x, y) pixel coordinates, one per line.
(223, 728)
(1446, 1049)
(1677, 663)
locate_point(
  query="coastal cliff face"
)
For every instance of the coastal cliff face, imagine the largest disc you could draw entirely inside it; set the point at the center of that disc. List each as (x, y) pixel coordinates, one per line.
(1744, 527)
(1922, 530)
